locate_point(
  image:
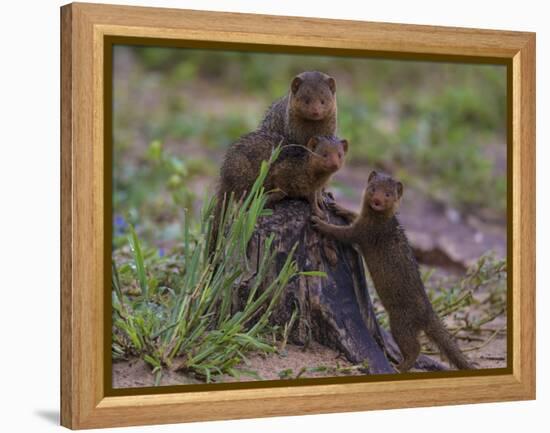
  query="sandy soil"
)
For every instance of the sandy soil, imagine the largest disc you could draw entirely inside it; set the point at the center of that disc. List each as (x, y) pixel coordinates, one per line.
(286, 364)
(292, 361)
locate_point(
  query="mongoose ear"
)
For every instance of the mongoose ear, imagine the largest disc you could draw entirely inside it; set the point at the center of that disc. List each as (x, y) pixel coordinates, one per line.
(399, 187)
(372, 175)
(312, 143)
(345, 145)
(296, 83)
(332, 84)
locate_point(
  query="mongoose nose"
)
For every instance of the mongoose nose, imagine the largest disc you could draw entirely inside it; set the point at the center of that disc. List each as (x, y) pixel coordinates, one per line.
(376, 202)
(331, 164)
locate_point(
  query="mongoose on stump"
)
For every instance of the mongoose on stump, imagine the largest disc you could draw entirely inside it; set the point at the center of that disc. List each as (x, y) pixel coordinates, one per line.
(303, 171)
(299, 171)
(309, 109)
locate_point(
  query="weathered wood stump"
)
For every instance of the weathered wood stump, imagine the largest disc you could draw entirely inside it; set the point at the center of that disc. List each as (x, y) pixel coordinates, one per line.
(335, 310)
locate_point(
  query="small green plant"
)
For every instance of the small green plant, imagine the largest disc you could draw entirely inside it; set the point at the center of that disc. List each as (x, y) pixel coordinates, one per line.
(144, 196)
(191, 326)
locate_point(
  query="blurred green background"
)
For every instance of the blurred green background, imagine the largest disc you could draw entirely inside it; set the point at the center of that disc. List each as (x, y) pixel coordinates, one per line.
(439, 127)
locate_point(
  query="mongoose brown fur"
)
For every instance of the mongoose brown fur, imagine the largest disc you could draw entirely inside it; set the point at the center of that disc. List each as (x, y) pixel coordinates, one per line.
(393, 269)
(303, 171)
(309, 109)
(299, 171)
(242, 162)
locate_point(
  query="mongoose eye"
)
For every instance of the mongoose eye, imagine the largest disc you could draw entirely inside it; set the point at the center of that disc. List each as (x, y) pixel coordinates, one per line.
(322, 101)
(388, 195)
(307, 101)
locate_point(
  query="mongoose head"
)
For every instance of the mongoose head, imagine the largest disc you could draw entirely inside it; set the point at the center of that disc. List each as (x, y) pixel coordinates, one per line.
(331, 152)
(382, 194)
(313, 95)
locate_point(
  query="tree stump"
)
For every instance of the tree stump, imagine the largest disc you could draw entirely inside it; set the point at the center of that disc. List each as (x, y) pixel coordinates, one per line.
(335, 310)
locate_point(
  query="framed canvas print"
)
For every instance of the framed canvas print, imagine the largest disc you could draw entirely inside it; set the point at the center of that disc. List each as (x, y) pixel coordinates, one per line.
(269, 216)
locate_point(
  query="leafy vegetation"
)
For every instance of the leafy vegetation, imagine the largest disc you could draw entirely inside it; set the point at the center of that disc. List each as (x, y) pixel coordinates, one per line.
(181, 308)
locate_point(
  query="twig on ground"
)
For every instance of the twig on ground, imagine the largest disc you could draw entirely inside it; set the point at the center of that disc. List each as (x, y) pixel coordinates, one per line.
(493, 358)
(473, 348)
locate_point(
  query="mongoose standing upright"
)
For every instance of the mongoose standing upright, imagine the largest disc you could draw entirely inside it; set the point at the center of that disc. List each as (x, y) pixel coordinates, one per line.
(393, 269)
(309, 109)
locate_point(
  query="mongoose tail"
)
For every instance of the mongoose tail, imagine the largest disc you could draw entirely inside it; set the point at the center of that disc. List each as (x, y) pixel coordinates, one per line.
(439, 335)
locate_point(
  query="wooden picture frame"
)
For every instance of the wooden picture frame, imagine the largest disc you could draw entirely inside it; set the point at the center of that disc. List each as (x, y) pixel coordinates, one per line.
(85, 214)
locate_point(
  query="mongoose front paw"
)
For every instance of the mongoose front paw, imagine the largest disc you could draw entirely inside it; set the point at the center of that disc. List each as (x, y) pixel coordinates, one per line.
(335, 208)
(332, 205)
(315, 221)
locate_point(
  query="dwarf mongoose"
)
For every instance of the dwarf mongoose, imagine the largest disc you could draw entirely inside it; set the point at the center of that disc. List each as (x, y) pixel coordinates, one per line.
(309, 109)
(393, 268)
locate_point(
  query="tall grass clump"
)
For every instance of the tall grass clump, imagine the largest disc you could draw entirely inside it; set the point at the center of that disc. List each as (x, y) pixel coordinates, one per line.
(191, 325)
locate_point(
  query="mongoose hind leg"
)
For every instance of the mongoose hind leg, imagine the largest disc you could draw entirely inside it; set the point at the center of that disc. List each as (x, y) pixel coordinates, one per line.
(406, 338)
(330, 246)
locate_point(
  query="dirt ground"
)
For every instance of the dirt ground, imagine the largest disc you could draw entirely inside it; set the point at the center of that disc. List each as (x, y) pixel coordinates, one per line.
(294, 360)
(136, 373)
